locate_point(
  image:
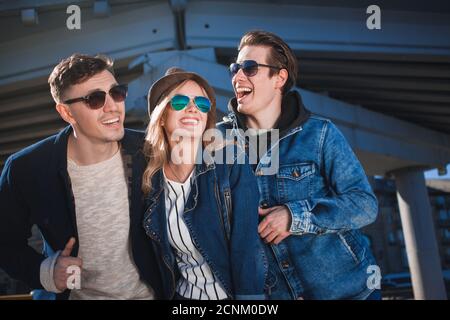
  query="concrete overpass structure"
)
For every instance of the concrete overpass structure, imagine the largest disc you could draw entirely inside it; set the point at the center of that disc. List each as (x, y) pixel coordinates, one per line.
(388, 90)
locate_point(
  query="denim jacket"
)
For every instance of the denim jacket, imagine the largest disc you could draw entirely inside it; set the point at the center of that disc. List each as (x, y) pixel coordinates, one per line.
(321, 182)
(222, 221)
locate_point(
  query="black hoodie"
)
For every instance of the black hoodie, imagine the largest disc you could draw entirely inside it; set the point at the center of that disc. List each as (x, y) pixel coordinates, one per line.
(293, 114)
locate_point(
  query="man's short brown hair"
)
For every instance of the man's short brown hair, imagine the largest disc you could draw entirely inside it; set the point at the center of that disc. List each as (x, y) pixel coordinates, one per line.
(281, 55)
(76, 69)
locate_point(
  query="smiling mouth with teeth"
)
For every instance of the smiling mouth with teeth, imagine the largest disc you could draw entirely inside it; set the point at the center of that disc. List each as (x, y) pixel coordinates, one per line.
(242, 92)
(189, 121)
(111, 121)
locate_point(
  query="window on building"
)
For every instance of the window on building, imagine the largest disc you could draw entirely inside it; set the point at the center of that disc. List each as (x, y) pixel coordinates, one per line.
(446, 235)
(391, 238)
(442, 215)
(388, 217)
(439, 201)
(447, 255)
(400, 237)
(396, 215)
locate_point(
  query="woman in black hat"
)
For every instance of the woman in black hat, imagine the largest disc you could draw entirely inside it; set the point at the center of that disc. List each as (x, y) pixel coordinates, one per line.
(200, 215)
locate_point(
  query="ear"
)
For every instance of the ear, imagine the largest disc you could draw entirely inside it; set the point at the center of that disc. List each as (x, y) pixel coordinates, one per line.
(65, 113)
(282, 77)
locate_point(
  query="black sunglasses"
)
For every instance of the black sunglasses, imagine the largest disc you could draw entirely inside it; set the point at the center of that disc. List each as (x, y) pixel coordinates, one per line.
(96, 100)
(249, 67)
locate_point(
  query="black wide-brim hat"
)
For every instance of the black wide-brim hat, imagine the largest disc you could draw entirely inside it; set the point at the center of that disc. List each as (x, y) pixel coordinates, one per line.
(173, 77)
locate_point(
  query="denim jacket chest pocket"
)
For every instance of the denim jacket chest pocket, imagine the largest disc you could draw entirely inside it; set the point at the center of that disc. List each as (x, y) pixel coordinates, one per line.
(294, 181)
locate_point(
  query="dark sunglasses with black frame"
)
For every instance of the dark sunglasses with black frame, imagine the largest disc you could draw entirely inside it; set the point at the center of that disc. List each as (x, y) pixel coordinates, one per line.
(249, 67)
(96, 99)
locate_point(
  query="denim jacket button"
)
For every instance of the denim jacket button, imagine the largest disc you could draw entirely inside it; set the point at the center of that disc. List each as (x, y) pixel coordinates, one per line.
(264, 204)
(285, 264)
(295, 174)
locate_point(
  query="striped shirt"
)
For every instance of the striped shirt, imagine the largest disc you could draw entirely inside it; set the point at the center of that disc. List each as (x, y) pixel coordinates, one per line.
(197, 280)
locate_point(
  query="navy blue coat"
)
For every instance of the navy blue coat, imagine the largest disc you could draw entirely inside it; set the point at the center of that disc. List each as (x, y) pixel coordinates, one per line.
(35, 188)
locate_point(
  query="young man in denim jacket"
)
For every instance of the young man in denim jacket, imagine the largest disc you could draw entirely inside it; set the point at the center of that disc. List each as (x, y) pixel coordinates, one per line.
(314, 204)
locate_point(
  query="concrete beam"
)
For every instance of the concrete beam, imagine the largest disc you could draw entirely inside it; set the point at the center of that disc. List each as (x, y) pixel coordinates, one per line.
(319, 28)
(24, 4)
(122, 35)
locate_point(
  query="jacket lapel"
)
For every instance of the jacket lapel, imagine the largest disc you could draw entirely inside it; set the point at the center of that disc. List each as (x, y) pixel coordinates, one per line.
(59, 161)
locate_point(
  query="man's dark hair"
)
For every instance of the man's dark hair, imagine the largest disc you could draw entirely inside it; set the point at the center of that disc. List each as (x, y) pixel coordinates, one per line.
(281, 55)
(76, 69)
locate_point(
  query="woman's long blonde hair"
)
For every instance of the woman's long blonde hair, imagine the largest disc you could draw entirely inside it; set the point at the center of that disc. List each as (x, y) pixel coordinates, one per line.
(156, 146)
